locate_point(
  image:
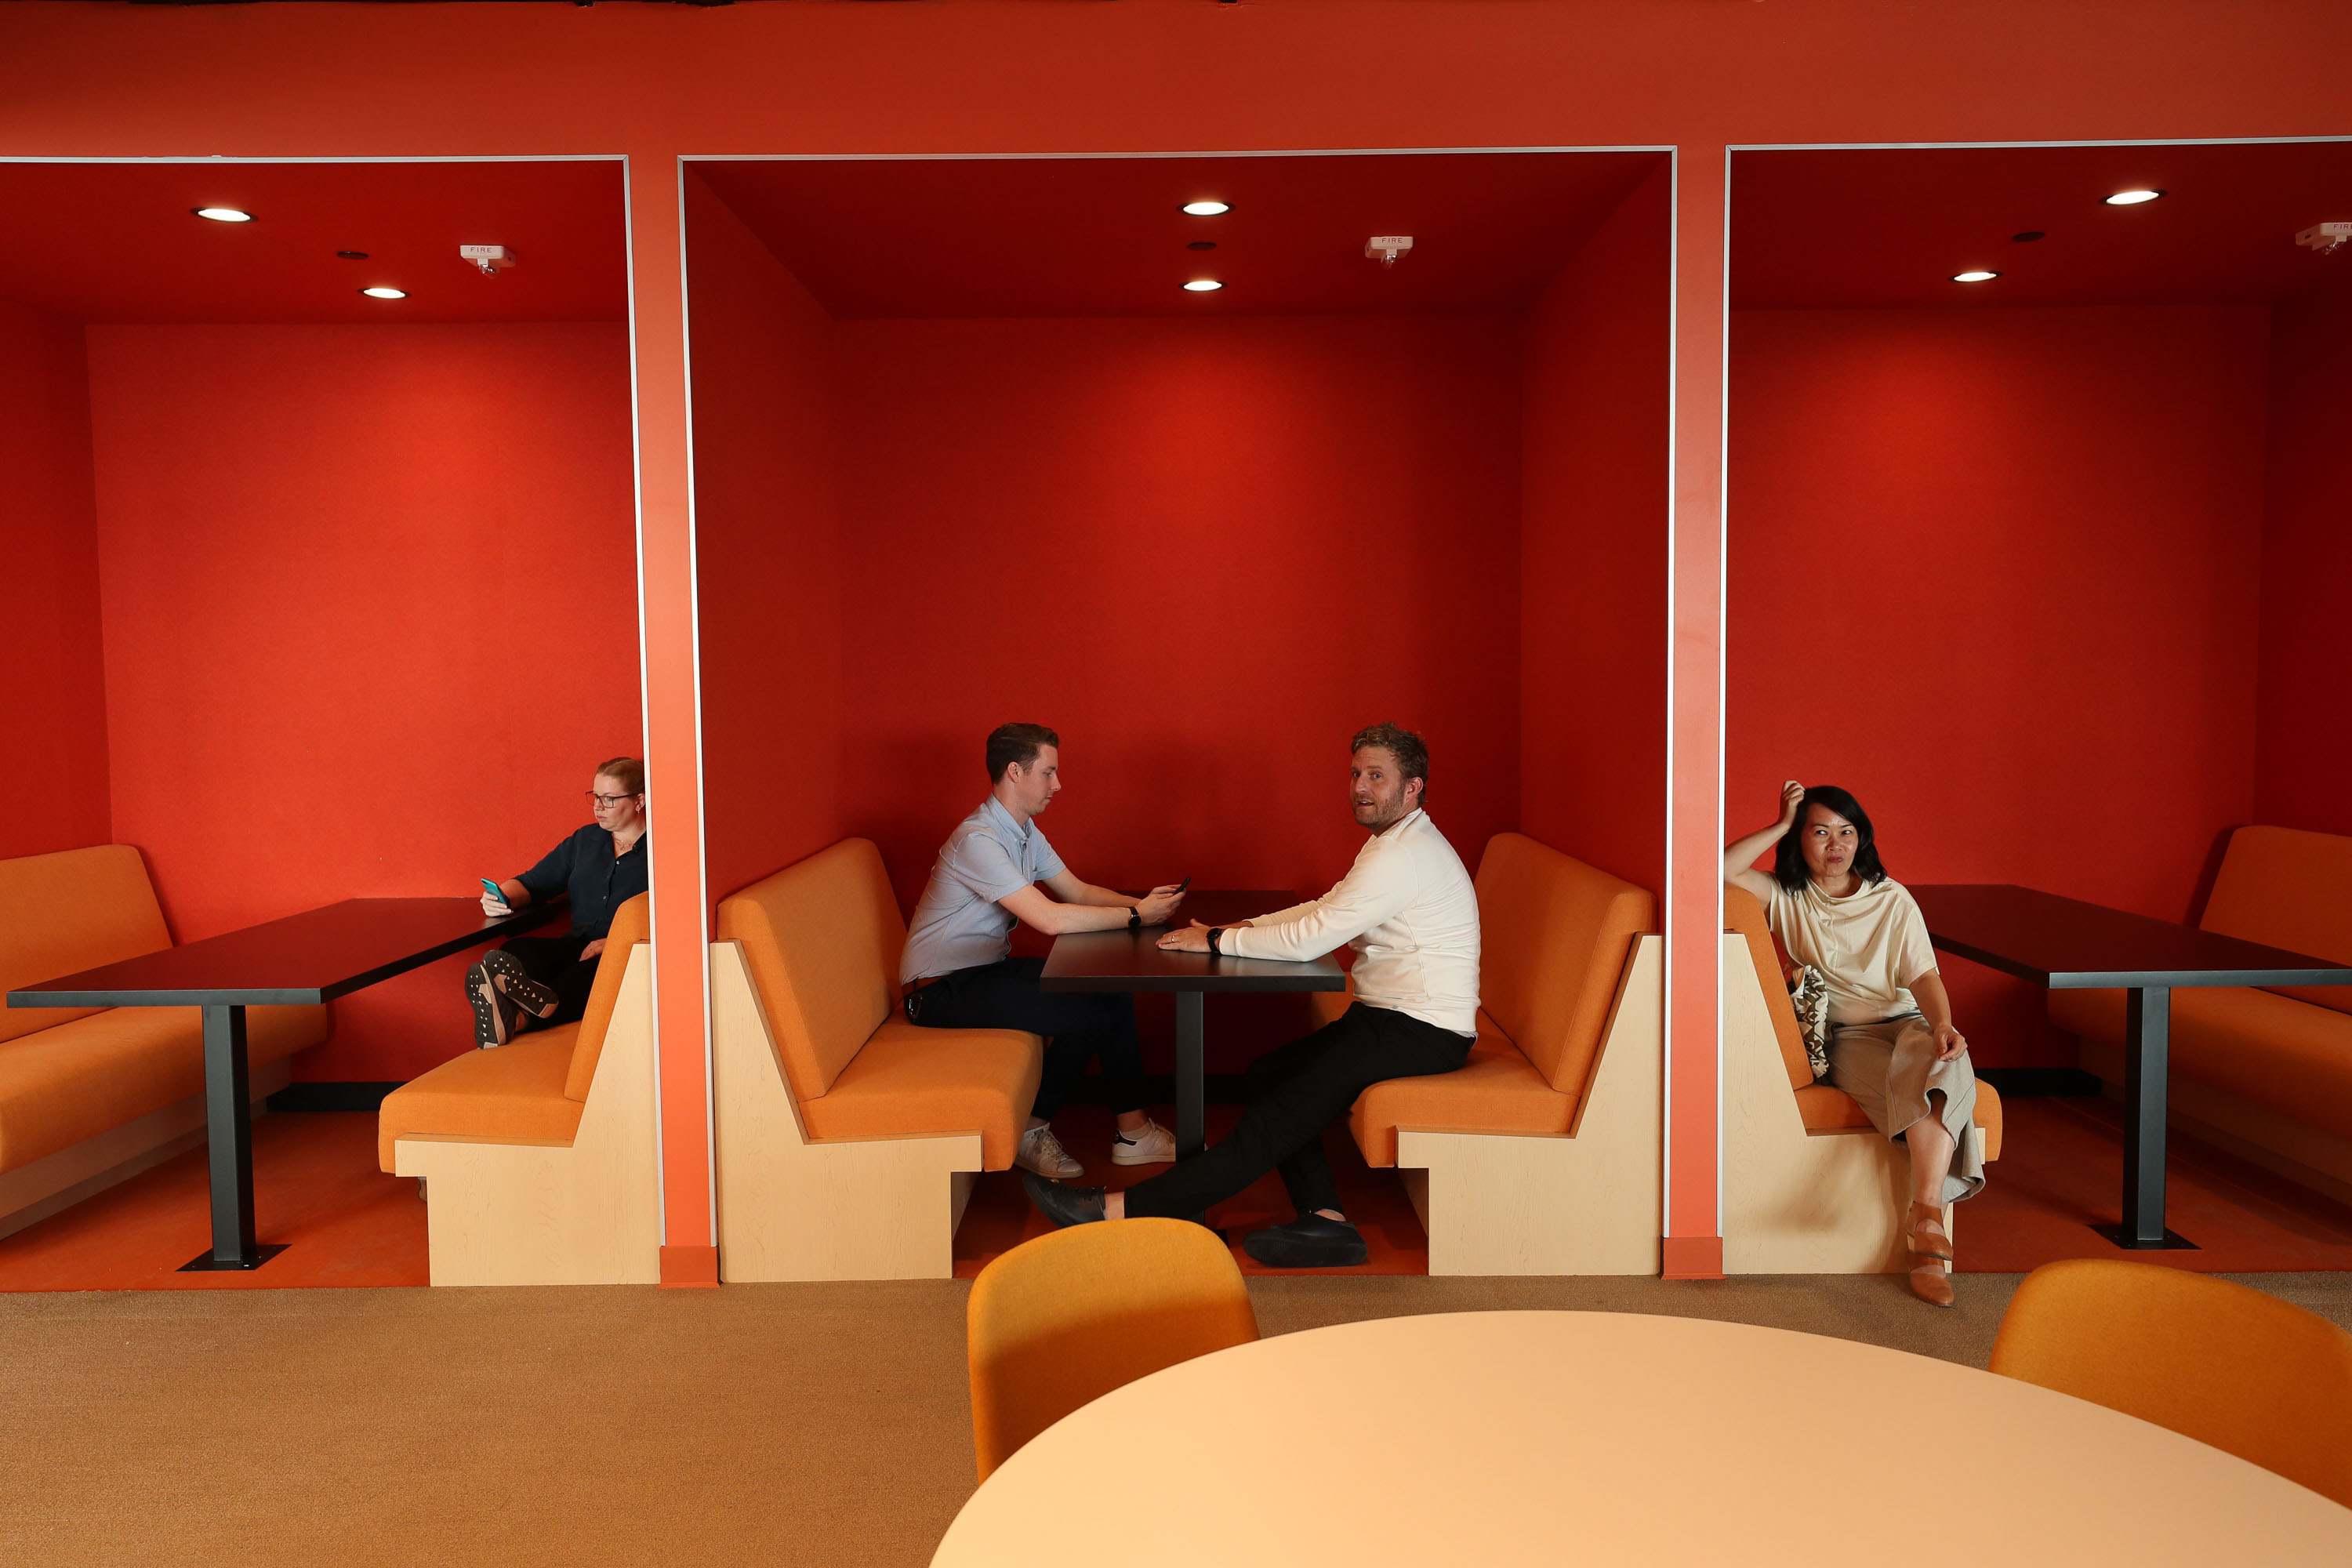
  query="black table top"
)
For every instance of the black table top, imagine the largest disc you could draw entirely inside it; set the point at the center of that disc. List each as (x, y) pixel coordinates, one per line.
(2069, 945)
(311, 957)
(1133, 961)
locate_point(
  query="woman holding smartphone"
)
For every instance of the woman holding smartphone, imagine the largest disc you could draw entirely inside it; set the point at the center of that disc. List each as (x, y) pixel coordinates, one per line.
(536, 982)
(1892, 1044)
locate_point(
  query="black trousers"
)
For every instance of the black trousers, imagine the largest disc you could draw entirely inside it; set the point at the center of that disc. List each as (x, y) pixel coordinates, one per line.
(1295, 1092)
(1078, 1026)
(555, 963)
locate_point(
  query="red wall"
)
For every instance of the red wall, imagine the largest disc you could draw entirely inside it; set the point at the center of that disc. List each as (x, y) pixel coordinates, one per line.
(1593, 587)
(49, 644)
(768, 555)
(370, 621)
(1206, 552)
(1997, 572)
(2304, 757)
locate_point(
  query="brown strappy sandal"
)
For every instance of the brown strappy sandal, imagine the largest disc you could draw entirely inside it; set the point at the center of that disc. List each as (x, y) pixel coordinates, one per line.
(1924, 1233)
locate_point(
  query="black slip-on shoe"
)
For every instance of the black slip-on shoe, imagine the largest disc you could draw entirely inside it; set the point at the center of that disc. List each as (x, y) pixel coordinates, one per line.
(1310, 1241)
(494, 1015)
(514, 983)
(1061, 1202)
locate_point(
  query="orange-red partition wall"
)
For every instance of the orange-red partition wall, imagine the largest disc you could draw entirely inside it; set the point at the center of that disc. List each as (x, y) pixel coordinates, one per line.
(2304, 759)
(1996, 572)
(50, 638)
(1206, 552)
(768, 555)
(1592, 581)
(369, 621)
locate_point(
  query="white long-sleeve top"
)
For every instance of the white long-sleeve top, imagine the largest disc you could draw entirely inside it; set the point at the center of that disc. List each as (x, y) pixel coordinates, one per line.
(1407, 907)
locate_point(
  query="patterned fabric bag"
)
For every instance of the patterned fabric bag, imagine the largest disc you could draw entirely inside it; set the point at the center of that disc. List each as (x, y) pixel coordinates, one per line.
(1811, 997)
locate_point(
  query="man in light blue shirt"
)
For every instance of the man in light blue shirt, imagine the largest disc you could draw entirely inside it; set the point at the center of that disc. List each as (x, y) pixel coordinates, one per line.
(959, 973)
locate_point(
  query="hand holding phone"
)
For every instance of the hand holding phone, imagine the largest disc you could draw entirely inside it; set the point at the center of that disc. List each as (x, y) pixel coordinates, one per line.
(494, 903)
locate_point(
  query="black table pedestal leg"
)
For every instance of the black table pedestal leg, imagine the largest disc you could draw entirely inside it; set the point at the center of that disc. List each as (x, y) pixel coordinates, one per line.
(228, 1140)
(2147, 1069)
(1191, 1080)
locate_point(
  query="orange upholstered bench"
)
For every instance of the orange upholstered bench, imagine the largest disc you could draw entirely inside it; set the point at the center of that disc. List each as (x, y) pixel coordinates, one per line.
(1809, 1187)
(91, 1096)
(1525, 1161)
(539, 1155)
(2264, 1074)
(848, 1138)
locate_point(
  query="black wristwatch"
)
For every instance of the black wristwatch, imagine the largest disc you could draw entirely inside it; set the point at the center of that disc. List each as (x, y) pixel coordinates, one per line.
(1134, 918)
(1214, 933)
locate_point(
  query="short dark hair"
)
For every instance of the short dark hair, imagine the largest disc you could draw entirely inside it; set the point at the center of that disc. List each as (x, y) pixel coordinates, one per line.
(1010, 744)
(1412, 755)
(1789, 855)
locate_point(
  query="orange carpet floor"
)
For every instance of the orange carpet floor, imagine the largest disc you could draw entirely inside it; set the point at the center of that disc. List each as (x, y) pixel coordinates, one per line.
(317, 1188)
(2061, 1172)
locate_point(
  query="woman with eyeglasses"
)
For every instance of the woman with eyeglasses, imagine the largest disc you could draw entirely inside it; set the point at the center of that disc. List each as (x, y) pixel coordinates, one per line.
(537, 981)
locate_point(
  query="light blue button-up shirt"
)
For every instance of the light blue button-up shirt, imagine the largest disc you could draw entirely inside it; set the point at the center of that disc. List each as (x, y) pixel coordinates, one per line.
(957, 923)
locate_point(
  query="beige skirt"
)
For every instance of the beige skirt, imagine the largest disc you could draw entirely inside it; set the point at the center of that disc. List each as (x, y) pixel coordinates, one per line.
(1890, 1069)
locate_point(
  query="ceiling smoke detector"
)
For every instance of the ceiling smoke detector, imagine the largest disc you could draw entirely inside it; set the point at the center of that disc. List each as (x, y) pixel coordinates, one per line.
(2325, 237)
(1386, 247)
(491, 259)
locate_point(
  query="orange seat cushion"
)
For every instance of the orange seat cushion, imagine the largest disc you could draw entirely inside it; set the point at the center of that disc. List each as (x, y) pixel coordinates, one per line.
(513, 1092)
(632, 925)
(1743, 914)
(1554, 938)
(908, 1080)
(2269, 1050)
(96, 1071)
(63, 914)
(1497, 1090)
(1826, 1110)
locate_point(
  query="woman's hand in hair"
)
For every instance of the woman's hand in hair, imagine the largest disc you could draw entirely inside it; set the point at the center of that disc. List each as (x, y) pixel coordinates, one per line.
(1792, 801)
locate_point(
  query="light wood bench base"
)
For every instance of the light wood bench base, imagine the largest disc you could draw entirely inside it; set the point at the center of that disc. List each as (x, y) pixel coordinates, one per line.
(503, 1211)
(794, 1207)
(1583, 1202)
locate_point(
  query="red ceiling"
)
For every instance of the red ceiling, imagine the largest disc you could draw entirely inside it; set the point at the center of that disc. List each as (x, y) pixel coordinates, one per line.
(1104, 236)
(1890, 227)
(115, 242)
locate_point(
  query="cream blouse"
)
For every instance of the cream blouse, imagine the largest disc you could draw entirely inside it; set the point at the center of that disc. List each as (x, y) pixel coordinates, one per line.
(1870, 946)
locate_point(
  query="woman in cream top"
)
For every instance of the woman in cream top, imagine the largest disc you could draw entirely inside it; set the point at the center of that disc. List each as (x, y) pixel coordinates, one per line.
(1891, 1043)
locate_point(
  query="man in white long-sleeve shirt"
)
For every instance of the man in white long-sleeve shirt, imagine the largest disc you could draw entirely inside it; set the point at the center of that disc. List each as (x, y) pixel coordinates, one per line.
(1407, 907)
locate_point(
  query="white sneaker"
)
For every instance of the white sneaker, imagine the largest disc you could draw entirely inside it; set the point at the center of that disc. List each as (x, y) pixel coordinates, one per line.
(1043, 1153)
(1151, 1145)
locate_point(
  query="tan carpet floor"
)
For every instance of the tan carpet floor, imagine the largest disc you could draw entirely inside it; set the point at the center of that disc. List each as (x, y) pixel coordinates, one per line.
(775, 1424)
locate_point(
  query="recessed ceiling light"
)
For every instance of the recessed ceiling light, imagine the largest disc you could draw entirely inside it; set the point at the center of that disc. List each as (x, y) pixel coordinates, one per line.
(2029, 235)
(2132, 199)
(1977, 276)
(1201, 244)
(1208, 209)
(1202, 286)
(381, 293)
(223, 214)
(352, 255)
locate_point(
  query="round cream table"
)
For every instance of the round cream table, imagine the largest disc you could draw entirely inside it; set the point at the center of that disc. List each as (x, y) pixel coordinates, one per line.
(1490, 1438)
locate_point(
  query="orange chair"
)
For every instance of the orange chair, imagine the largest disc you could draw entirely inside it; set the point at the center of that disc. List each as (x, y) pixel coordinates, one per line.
(2243, 1371)
(1063, 1319)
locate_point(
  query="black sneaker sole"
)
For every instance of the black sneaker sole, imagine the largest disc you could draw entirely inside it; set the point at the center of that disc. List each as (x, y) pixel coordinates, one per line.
(1277, 1250)
(490, 1020)
(515, 983)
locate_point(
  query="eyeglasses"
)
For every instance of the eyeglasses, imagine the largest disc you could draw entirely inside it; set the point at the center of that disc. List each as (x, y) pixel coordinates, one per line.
(599, 802)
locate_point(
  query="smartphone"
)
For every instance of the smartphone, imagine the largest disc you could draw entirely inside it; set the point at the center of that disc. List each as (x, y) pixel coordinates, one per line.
(1184, 884)
(491, 889)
